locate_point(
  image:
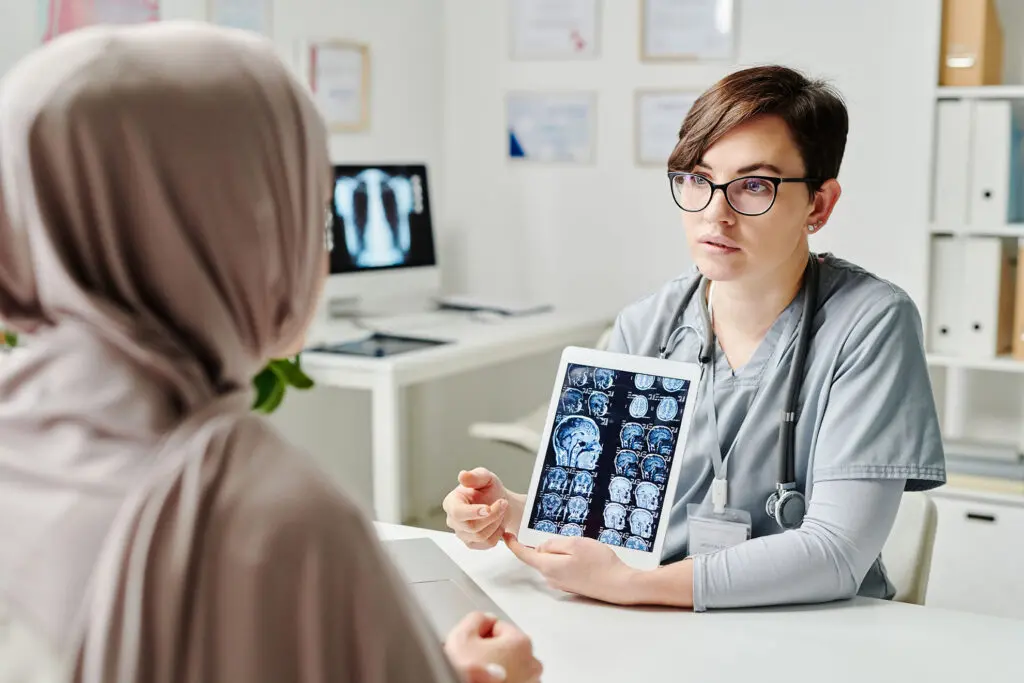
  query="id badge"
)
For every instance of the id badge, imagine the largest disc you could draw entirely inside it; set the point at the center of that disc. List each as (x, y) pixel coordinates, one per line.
(711, 531)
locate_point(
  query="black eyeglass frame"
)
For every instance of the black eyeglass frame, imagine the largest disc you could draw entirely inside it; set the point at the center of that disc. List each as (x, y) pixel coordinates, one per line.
(774, 180)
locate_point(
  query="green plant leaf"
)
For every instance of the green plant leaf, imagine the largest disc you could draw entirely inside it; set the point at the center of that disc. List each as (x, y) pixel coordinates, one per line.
(265, 383)
(9, 338)
(274, 398)
(291, 373)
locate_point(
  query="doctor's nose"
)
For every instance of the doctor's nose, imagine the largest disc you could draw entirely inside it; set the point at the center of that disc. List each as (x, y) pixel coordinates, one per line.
(718, 210)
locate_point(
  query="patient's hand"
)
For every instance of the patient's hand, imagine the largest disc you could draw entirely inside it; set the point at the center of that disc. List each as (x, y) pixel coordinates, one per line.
(485, 650)
(480, 508)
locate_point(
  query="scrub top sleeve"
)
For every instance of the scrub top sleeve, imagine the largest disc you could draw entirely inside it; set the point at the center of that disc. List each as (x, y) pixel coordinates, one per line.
(880, 420)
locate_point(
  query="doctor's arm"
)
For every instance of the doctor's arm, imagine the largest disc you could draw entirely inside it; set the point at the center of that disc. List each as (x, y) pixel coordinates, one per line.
(846, 525)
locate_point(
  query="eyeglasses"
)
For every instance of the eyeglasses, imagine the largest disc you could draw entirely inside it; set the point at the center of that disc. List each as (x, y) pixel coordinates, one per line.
(750, 195)
(329, 230)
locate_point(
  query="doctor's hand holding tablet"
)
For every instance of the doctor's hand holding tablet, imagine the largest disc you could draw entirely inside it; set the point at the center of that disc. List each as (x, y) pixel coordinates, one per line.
(747, 435)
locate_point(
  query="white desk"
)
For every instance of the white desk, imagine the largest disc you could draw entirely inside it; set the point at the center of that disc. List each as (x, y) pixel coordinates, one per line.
(856, 641)
(475, 343)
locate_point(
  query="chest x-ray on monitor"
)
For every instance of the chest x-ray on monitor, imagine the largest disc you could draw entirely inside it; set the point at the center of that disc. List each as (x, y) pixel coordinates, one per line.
(383, 234)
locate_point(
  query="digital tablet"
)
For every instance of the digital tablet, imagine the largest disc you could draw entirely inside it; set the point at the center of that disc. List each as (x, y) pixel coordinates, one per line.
(609, 459)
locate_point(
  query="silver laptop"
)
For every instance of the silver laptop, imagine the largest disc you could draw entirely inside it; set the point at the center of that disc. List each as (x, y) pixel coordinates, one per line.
(444, 591)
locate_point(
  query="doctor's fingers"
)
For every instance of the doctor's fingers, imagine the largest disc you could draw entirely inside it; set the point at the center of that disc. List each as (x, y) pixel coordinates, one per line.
(546, 563)
(477, 542)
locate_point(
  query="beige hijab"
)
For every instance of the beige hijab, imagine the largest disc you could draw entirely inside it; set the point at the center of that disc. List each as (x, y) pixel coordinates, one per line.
(162, 196)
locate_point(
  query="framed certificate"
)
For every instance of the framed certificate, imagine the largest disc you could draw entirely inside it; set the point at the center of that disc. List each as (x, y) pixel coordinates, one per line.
(552, 126)
(554, 29)
(659, 115)
(690, 30)
(338, 72)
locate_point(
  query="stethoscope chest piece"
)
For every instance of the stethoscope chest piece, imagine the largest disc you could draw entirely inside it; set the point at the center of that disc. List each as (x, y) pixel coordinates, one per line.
(787, 507)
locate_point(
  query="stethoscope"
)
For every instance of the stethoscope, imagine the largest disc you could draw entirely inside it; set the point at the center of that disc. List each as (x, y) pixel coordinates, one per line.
(786, 505)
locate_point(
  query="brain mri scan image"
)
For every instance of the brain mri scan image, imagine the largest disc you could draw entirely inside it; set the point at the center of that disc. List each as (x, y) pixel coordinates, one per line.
(668, 408)
(578, 377)
(660, 441)
(375, 208)
(632, 436)
(549, 527)
(577, 442)
(643, 382)
(654, 469)
(550, 506)
(577, 508)
(610, 537)
(647, 495)
(641, 523)
(556, 480)
(615, 516)
(638, 407)
(583, 484)
(636, 543)
(598, 404)
(604, 378)
(572, 401)
(618, 490)
(627, 464)
(671, 384)
(571, 530)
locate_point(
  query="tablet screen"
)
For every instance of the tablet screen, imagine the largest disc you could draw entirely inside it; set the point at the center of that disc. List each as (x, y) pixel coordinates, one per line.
(607, 463)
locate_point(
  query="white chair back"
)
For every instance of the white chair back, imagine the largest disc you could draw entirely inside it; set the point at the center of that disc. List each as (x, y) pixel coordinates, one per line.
(907, 553)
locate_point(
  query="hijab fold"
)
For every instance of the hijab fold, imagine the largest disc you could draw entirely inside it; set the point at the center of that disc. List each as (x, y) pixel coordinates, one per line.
(162, 193)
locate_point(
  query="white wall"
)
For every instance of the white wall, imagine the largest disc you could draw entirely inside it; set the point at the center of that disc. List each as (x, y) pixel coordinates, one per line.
(610, 232)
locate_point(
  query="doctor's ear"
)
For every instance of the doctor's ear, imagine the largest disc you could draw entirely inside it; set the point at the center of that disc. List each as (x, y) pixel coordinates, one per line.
(823, 202)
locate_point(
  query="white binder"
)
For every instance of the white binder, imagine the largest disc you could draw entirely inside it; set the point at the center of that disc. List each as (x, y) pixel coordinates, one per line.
(995, 165)
(951, 182)
(990, 274)
(945, 333)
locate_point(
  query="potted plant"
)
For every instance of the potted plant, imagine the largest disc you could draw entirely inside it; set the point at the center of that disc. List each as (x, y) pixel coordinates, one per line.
(271, 383)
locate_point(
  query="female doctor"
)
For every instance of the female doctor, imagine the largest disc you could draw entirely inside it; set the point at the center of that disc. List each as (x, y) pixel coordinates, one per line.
(754, 175)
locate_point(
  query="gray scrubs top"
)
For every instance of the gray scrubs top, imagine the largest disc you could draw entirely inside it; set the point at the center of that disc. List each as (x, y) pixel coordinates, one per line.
(866, 408)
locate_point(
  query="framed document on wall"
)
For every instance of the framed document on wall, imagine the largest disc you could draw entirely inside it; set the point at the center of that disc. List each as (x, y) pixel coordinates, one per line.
(659, 115)
(557, 126)
(554, 29)
(687, 30)
(338, 72)
(249, 15)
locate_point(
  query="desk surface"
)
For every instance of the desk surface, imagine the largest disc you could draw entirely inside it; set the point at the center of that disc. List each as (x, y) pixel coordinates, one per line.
(858, 640)
(475, 341)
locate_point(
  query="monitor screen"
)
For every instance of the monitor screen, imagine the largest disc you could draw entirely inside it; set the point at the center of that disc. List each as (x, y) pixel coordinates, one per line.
(381, 218)
(607, 465)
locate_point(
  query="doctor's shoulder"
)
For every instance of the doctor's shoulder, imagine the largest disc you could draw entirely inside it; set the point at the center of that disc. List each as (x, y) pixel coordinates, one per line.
(641, 326)
(866, 311)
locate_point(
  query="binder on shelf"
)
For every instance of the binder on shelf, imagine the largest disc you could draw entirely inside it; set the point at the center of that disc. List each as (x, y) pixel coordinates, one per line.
(951, 181)
(973, 296)
(972, 43)
(995, 165)
(990, 271)
(946, 288)
(1018, 315)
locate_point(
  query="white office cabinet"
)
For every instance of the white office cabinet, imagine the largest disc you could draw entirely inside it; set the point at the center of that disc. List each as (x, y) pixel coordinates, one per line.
(952, 162)
(978, 559)
(995, 165)
(990, 279)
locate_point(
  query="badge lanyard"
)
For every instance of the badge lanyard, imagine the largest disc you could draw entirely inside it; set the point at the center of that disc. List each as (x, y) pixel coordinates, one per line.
(720, 484)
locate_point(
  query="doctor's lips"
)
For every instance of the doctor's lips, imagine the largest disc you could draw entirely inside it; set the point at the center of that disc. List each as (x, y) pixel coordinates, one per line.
(719, 242)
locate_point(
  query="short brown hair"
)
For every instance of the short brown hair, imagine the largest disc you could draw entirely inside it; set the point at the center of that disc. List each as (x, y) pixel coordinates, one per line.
(813, 111)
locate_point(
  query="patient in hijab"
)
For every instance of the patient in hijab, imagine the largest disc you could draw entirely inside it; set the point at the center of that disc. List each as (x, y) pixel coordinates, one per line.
(163, 191)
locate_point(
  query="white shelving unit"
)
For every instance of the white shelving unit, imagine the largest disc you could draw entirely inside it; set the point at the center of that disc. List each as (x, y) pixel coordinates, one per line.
(1008, 230)
(982, 92)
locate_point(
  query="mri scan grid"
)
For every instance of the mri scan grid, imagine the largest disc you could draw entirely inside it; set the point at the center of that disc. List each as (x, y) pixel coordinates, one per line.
(606, 468)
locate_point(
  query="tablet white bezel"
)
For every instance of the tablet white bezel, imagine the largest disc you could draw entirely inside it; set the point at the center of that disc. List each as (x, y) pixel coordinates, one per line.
(657, 367)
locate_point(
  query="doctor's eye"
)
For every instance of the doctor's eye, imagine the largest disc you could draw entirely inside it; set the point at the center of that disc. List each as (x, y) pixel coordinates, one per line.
(757, 186)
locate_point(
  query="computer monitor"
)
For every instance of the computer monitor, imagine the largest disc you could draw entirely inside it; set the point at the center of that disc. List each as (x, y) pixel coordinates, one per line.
(384, 249)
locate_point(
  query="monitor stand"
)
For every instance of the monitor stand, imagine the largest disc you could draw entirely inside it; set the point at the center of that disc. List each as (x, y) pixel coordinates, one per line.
(359, 308)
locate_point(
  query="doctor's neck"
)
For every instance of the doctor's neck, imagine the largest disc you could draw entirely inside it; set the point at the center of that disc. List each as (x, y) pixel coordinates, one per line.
(749, 306)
